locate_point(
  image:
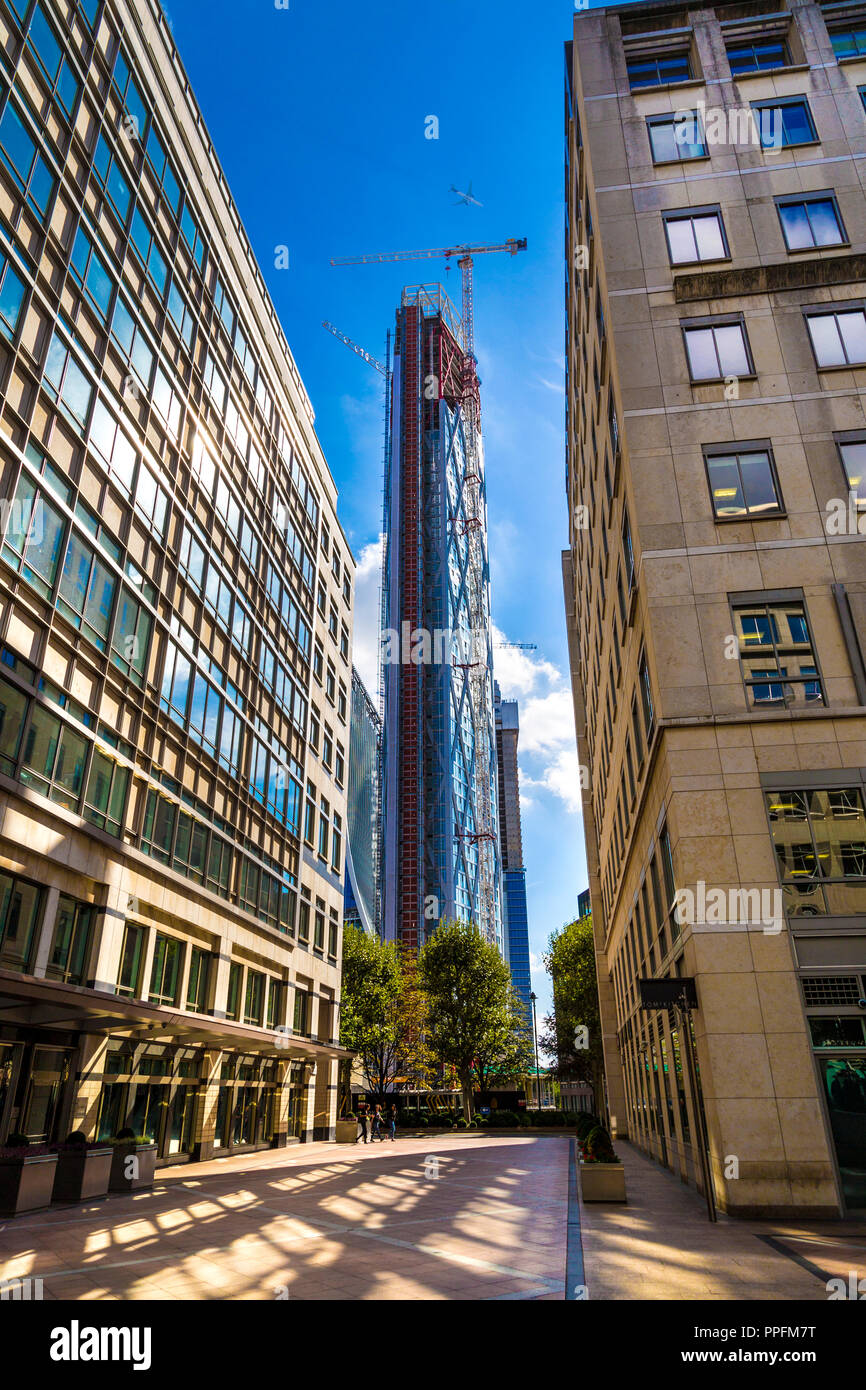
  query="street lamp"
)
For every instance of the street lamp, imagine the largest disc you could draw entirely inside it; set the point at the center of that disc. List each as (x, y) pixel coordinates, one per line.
(535, 1040)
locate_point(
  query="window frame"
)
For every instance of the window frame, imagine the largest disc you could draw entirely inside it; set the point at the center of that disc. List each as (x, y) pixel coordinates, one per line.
(713, 322)
(738, 447)
(688, 215)
(804, 199)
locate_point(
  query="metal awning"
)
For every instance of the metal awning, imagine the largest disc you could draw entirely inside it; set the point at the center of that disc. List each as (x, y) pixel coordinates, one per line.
(26, 1002)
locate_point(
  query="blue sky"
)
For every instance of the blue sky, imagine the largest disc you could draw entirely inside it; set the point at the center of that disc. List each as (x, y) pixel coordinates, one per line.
(318, 115)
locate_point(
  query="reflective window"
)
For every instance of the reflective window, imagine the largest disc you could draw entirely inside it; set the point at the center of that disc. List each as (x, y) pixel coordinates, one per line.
(717, 351)
(776, 654)
(784, 122)
(695, 237)
(758, 57)
(20, 905)
(743, 483)
(811, 222)
(838, 339)
(676, 137)
(658, 70)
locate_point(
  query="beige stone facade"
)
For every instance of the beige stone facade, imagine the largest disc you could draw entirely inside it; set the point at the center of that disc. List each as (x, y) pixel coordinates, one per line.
(716, 579)
(176, 599)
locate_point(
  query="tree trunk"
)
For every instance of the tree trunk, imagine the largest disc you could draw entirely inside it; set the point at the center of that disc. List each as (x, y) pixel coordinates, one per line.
(466, 1086)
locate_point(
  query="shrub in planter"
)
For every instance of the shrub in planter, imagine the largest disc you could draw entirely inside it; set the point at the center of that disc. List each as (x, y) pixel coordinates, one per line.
(598, 1146)
(83, 1169)
(586, 1124)
(26, 1175)
(133, 1163)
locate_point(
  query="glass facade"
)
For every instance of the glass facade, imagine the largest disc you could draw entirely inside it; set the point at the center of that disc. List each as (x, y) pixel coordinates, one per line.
(169, 521)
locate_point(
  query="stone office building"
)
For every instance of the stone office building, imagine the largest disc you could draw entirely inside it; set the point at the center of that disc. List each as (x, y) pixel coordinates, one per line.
(716, 578)
(175, 623)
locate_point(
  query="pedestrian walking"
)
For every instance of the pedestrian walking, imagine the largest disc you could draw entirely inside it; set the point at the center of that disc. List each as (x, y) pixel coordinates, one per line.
(392, 1123)
(362, 1121)
(377, 1125)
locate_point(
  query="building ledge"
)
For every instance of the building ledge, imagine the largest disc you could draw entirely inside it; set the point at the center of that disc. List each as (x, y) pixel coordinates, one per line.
(813, 272)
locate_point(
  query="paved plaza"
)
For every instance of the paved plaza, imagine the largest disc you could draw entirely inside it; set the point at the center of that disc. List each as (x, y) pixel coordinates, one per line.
(460, 1218)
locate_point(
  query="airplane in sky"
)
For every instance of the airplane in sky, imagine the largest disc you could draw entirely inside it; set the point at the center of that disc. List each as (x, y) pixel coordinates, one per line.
(466, 198)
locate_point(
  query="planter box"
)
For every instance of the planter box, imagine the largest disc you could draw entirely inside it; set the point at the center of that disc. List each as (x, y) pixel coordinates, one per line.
(82, 1174)
(602, 1182)
(26, 1184)
(126, 1178)
(347, 1131)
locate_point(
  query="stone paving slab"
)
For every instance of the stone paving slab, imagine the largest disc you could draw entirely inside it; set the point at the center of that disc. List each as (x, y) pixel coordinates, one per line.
(661, 1245)
(319, 1221)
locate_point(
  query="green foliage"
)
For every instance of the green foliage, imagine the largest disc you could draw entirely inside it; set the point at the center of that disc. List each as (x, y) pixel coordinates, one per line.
(570, 961)
(382, 1010)
(502, 1119)
(599, 1146)
(585, 1124)
(471, 1020)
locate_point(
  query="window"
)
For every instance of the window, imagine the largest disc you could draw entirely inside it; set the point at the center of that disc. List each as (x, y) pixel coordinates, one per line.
(233, 998)
(301, 1019)
(776, 654)
(659, 70)
(32, 175)
(254, 1000)
(695, 236)
(676, 137)
(145, 243)
(70, 947)
(820, 841)
(165, 974)
(838, 338)
(310, 815)
(66, 381)
(35, 532)
(337, 844)
(811, 222)
(62, 82)
(275, 1004)
(852, 453)
(783, 122)
(333, 934)
(105, 797)
(324, 828)
(130, 641)
(758, 57)
(717, 351)
(742, 482)
(20, 908)
(848, 43)
(199, 980)
(131, 961)
(304, 921)
(646, 697)
(11, 299)
(319, 934)
(108, 170)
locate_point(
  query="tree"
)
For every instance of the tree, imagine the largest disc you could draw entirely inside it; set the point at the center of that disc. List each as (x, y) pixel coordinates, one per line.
(570, 961)
(505, 1053)
(468, 989)
(383, 1011)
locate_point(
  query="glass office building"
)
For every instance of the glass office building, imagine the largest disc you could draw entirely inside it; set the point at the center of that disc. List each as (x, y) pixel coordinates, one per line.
(363, 846)
(175, 623)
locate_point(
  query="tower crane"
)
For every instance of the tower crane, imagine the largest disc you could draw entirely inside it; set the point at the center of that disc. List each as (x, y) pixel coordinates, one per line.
(362, 352)
(465, 258)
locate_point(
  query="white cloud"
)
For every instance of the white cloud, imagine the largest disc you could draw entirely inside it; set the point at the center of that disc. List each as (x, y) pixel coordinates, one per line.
(548, 751)
(368, 580)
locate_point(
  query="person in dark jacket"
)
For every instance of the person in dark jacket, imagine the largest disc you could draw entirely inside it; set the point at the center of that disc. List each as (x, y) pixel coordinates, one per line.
(392, 1122)
(362, 1121)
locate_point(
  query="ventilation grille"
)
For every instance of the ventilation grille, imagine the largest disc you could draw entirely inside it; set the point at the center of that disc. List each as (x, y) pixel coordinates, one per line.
(824, 990)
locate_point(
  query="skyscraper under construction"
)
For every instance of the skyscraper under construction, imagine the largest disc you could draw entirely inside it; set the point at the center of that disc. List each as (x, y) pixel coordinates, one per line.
(441, 853)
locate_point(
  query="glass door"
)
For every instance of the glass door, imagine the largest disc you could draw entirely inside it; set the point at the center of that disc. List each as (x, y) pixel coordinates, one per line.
(180, 1121)
(844, 1081)
(7, 1077)
(49, 1071)
(146, 1110)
